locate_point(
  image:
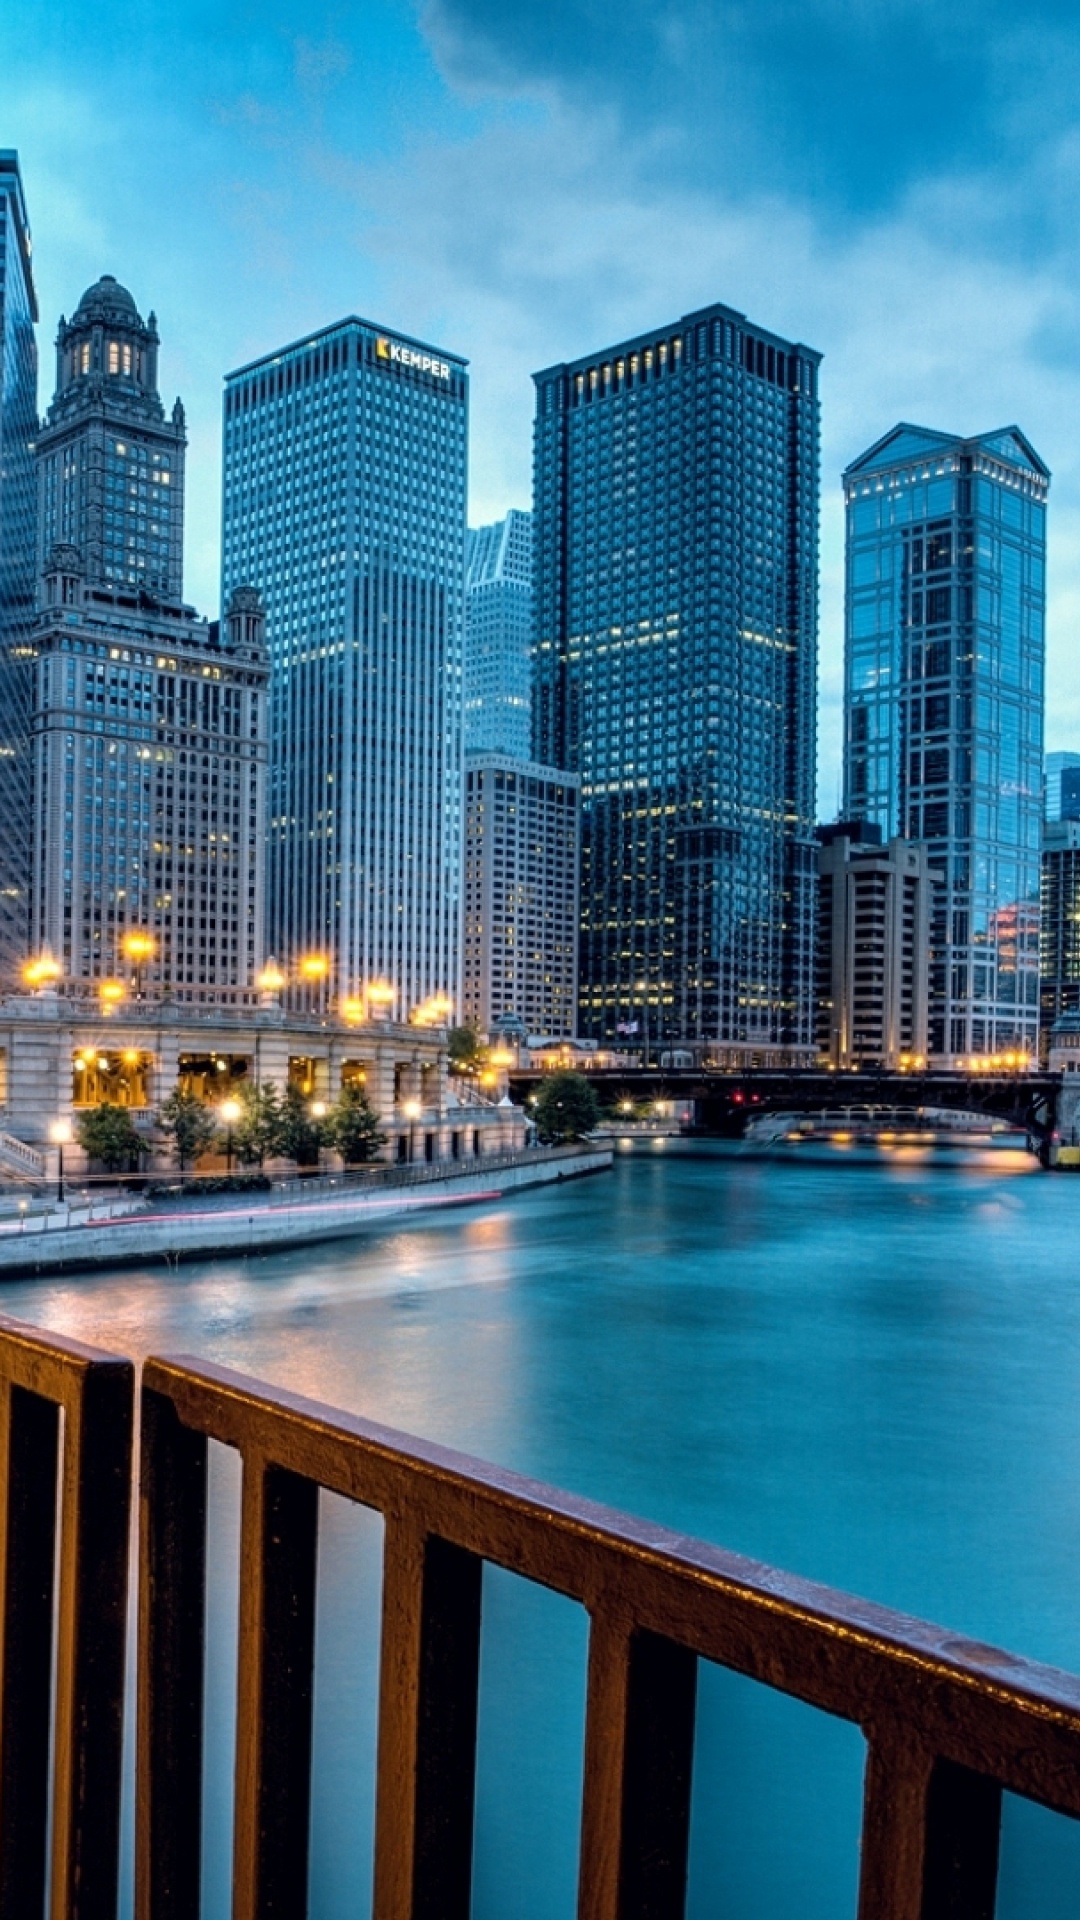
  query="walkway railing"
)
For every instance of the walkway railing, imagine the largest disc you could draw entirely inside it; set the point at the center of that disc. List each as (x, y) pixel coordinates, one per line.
(949, 1724)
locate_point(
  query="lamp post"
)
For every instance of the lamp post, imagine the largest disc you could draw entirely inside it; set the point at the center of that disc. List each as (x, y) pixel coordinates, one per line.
(230, 1111)
(138, 946)
(60, 1135)
(411, 1110)
(315, 969)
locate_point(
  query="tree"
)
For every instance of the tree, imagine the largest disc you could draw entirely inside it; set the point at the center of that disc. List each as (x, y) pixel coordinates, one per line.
(566, 1108)
(257, 1135)
(465, 1050)
(301, 1134)
(191, 1127)
(109, 1135)
(352, 1127)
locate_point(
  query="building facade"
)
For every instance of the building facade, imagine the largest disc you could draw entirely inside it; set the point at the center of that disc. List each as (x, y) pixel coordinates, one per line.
(498, 636)
(1059, 935)
(946, 543)
(875, 907)
(1061, 786)
(344, 494)
(521, 896)
(149, 723)
(676, 536)
(18, 545)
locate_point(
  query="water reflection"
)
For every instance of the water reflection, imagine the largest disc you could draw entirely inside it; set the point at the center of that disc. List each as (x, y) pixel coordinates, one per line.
(866, 1373)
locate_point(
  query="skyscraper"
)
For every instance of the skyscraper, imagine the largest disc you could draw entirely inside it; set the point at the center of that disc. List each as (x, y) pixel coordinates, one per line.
(110, 465)
(946, 542)
(498, 636)
(521, 895)
(1060, 930)
(149, 722)
(874, 912)
(344, 495)
(1061, 786)
(18, 425)
(676, 530)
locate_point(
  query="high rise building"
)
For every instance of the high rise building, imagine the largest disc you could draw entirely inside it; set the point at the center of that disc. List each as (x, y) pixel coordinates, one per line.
(498, 636)
(521, 895)
(1059, 940)
(18, 426)
(149, 723)
(676, 530)
(874, 912)
(344, 495)
(1061, 786)
(946, 542)
(110, 464)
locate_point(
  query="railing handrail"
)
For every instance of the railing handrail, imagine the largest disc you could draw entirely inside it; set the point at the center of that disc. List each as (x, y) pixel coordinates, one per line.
(949, 1722)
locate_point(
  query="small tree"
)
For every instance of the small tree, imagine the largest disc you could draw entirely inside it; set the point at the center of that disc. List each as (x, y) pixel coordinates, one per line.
(109, 1135)
(352, 1127)
(257, 1135)
(465, 1050)
(301, 1134)
(190, 1127)
(566, 1108)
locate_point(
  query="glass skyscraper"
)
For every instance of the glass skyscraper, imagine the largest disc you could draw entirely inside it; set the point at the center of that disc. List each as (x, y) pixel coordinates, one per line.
(344, 496)
(1061, 786)
(18, 548)
(946, 542)
(676, 535)
(498, 636)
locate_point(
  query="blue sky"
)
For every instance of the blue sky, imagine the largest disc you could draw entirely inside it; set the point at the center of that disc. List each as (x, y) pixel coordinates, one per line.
(889, 180)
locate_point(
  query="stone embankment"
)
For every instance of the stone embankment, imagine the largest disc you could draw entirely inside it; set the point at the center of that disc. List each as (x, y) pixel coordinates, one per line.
(172, 1231)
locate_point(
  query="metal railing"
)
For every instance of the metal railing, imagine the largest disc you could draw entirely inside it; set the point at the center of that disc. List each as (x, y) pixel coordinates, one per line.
(949, 1723)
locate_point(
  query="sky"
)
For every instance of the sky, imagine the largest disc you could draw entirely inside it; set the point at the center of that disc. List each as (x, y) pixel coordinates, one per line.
(890, 181)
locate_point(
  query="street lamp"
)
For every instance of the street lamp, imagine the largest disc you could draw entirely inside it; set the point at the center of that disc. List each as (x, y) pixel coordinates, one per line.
(60, 1135)
(230, 1111)
(271, 981)
(110, 993)
(138, 946)
(41, 973)
(412, 1111)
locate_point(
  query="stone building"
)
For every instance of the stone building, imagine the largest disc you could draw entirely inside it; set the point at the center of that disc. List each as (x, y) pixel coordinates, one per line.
(874, 917)
(521, 895)
(61, 1057)
(150, 740)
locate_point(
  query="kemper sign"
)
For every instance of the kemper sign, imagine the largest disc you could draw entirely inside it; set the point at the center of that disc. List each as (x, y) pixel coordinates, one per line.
(408, 357)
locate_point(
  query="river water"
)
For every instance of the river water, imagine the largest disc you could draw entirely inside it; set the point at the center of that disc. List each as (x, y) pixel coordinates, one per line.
(867, 1374)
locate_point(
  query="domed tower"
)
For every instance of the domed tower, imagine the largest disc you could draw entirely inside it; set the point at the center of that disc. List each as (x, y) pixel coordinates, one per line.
(110, 464)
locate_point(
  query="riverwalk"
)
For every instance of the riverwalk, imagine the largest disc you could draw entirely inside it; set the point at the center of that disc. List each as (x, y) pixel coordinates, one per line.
(171, 1230)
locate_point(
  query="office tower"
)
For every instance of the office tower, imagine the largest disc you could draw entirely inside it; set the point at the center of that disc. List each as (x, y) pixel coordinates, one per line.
(1059, 937)
(498, 636)
(676, 531)
(946, 544)
(110, 464)
(344, 495)
(521, 895)
(874, 912)
(1061, 786)
(18, 426)
(149, 723)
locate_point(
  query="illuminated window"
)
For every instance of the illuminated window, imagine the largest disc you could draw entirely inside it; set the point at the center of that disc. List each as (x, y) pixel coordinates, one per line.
(114, 356)
(84, 357)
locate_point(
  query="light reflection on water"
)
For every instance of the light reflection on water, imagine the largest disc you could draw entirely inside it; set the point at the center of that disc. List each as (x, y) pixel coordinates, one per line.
(867, 1373)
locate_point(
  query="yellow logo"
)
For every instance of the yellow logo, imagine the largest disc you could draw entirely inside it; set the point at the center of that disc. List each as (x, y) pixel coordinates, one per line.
(382, 349)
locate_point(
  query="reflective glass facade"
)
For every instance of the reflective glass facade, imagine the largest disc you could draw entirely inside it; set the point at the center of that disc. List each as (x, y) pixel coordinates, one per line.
(344, 496)
(676, 531)
(945, 598)
(18, 545)
(498, 636)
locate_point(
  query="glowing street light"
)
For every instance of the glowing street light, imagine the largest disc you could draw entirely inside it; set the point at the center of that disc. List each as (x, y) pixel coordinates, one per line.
(231, 1111)
(139, 947)
(60, 1135)
(110, 993)
(412, 1111)
(315, 966)
(41, 972)
(271, 979)
(353, 1010)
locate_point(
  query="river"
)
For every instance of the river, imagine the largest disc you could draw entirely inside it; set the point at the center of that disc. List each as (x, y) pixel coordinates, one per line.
(867, 1374)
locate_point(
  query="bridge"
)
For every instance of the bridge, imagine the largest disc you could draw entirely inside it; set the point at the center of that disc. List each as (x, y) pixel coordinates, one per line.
(725, 1101)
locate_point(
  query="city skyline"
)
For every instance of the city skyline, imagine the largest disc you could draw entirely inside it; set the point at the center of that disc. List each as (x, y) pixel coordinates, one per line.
(384, 164)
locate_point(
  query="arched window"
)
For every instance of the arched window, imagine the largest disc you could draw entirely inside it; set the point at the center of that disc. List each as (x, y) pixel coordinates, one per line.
(114, 356)
(84, 357)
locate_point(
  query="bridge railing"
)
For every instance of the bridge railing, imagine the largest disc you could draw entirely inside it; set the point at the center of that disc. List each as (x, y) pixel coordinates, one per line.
(949, 1724)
